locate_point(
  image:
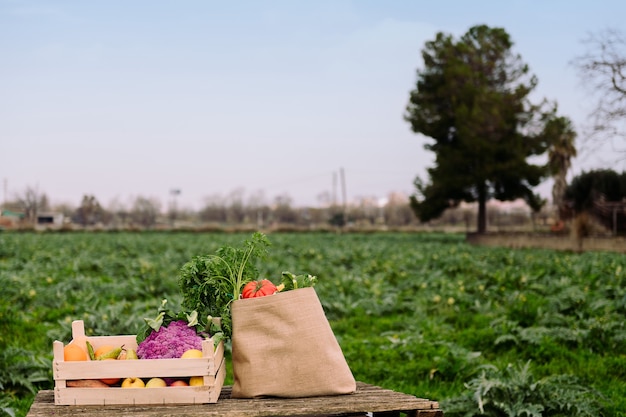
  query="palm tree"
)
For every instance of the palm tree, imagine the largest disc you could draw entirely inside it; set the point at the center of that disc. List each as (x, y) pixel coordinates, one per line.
(561, 133)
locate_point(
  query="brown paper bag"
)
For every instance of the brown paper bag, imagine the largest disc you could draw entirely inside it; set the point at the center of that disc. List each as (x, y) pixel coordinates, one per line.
(283, 346)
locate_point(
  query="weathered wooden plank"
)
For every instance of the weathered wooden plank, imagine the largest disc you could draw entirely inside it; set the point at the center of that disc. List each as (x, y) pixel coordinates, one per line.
(368, 398)
(429, 413)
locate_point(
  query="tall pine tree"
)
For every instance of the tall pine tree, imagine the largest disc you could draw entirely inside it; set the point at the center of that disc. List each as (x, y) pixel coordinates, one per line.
(471, 99)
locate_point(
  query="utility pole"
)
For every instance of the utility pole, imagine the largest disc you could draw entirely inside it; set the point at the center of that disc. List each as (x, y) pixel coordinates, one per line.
(343, 188)
(334, 197)
(5, 183)
(344, 203)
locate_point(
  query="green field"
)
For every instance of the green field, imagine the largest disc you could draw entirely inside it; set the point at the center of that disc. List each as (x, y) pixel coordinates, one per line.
(528, 332)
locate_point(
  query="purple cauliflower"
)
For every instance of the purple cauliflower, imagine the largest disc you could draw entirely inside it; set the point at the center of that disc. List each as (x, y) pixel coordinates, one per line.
(169, 342)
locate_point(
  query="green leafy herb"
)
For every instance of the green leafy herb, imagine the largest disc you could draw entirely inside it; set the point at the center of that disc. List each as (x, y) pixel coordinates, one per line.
(293, 282)
(209, 283)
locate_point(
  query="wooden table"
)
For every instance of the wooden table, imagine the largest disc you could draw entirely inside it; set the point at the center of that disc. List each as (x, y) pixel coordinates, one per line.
(368, 400)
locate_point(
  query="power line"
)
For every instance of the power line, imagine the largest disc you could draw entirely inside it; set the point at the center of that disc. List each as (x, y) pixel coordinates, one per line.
(296, 181)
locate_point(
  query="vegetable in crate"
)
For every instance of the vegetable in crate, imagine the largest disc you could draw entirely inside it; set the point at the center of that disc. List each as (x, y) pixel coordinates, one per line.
(209, 283)
(170, 334)
(170, 342)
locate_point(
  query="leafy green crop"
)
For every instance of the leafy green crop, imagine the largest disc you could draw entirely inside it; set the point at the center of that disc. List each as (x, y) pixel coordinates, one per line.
(515, 392)
(425, 314)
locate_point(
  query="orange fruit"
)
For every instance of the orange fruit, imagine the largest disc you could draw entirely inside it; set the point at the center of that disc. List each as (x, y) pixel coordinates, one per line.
(110, 381)
(74, 352)
(103, 349)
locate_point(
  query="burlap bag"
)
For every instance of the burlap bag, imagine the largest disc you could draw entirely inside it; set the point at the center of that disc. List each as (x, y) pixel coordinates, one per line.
(283, 346)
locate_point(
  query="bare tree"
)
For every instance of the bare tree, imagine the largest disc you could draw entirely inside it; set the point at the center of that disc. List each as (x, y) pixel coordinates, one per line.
(602, 70)
(119, 212)
(398, 211)
(283, 210)
(365, 210)
(214, 209)
(31, 202)
(145, 211)
(258, 210)
(65, 208)
(236, 209)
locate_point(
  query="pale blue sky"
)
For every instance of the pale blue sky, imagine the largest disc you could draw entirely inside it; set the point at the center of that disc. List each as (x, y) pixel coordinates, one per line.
(125, 98)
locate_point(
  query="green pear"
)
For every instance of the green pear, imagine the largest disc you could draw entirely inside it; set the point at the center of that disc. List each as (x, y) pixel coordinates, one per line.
(112, 354)
(129, 354)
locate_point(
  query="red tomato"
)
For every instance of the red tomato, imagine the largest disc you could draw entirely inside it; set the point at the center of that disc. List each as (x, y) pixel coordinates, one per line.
(258, 289)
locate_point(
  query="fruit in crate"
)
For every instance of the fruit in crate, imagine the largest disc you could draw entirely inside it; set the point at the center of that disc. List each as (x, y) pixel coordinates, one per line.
(71, 390)
(80, 341)
(128, 354)
(196, 381)
(156, 383)
(133, 382)
(107, 352)
(86, 383)
(179, 383)
(110, 381)
(73, 352)
(192, 353)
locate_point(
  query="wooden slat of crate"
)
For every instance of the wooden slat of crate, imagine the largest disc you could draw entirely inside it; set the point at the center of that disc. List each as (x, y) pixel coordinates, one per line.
(144, 368)
(143, 396)
(367, 399)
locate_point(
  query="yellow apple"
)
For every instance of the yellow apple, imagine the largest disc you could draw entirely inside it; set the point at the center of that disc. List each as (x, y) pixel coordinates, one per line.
(192, 353)
(156, 383)
(133, 382)
(196, 381)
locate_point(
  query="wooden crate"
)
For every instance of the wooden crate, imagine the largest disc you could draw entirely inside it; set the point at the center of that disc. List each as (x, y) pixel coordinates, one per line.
(211, 367)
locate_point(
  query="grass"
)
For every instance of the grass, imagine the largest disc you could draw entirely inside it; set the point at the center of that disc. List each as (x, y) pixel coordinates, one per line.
(425, 314)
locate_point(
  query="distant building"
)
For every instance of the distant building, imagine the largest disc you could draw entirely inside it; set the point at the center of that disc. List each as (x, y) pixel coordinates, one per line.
(10, 219)
(50, 219)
